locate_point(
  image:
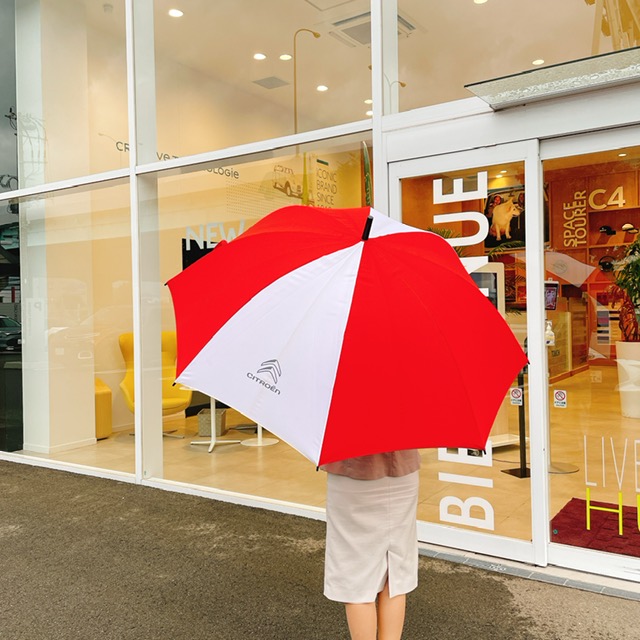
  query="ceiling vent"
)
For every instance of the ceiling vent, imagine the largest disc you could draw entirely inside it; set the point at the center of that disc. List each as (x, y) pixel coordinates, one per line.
(272, 82)
(355, 31)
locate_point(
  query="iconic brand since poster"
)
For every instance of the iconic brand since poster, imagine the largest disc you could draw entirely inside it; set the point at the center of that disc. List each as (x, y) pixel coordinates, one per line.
(326, 187)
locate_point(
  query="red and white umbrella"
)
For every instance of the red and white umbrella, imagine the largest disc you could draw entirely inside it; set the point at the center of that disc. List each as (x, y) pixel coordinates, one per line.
(345, 333)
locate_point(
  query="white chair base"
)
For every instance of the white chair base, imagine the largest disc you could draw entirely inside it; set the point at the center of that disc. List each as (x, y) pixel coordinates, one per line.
(213, 441)
(259, 441)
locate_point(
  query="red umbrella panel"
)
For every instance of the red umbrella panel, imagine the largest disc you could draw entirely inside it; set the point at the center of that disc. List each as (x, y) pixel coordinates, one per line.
(341, 341)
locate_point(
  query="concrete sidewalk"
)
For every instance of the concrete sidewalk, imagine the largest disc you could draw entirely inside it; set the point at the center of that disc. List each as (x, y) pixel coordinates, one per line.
(83, 558)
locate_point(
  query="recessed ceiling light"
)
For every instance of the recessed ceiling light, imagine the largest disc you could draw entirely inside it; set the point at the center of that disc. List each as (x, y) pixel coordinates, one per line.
(621, 155)
(504, 171)
(369, 113)
(259, 56)
(479, 1)
(322, 87)
(175, 13)
(538, 62)
(285, 56)
(368, 101)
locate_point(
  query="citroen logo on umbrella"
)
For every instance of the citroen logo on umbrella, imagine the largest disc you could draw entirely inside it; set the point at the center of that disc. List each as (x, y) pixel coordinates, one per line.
(271, 367)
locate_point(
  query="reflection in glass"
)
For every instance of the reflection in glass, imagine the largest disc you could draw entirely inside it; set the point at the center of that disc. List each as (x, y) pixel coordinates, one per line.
(11, 415)
(71, 89)
(8, 120)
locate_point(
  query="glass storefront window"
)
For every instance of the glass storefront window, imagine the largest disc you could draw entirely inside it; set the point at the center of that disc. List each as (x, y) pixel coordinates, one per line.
(444, 46)
(76, 301)
(71, 89)
(209, 76)
(225, 71)
(197, 209)
(593, 219)
(481, 212)
(8, 157)
(10, 329)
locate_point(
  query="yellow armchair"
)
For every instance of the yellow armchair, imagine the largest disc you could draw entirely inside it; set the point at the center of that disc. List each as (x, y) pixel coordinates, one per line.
(175, 398)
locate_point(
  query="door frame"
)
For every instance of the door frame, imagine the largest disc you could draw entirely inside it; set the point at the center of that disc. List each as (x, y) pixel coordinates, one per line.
(534, 551)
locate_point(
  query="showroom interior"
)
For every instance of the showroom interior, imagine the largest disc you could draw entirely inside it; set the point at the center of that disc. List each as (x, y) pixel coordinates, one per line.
(162, 127)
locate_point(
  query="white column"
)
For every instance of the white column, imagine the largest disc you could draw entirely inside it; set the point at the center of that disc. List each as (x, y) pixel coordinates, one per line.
(538, 405)
(56, 254)
(144, 241)
(391, 82)
(33, 253)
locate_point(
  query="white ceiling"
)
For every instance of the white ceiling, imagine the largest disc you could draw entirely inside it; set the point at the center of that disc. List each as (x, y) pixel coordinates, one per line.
(453, 43)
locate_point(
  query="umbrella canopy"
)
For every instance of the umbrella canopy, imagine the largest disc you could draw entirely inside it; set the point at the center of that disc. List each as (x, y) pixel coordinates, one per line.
(341, 341)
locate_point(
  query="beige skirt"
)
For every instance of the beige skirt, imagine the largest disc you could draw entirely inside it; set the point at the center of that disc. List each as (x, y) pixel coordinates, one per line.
(371, 537)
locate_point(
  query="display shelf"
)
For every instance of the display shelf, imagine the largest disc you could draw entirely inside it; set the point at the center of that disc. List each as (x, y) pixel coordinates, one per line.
(609, 245)
(612, 221)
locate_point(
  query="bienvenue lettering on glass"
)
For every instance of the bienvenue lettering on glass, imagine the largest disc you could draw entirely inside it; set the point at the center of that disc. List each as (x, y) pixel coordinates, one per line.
(473, 511)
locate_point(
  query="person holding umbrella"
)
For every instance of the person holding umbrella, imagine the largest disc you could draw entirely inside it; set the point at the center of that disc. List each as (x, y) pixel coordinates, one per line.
(371, 559)
(317, 310)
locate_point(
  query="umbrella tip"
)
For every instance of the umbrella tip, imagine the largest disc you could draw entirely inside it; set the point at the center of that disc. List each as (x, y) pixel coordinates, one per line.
(367, 228)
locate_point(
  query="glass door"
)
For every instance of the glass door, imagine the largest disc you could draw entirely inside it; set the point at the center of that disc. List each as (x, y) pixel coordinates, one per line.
(487, 203)
(592, 184)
